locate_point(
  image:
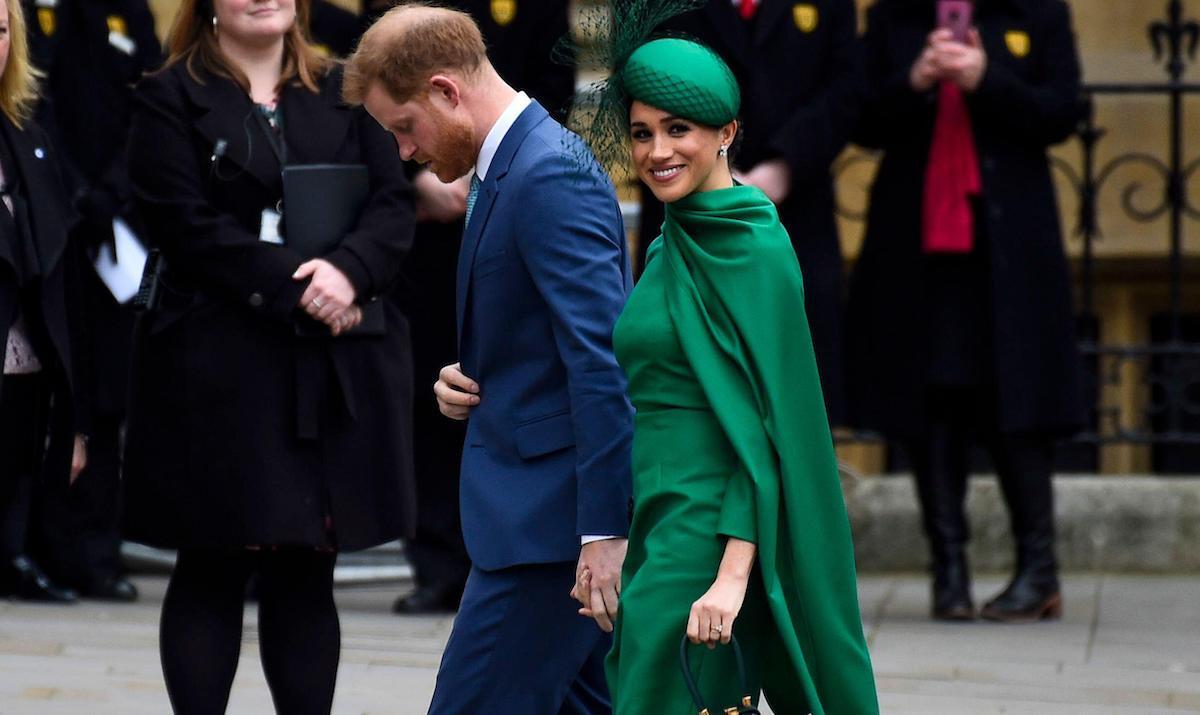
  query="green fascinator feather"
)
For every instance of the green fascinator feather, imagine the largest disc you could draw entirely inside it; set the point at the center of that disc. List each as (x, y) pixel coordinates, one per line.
(611, 34)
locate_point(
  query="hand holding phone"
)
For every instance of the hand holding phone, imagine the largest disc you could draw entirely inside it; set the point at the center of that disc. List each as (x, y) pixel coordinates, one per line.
(956, 16)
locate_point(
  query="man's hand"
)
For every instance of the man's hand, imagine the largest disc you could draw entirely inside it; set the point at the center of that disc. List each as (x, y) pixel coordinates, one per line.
(774, 177)
(962, 64)
(598, 580)
(438, 201)
(78, 457)
(329, 296)
(456, 393)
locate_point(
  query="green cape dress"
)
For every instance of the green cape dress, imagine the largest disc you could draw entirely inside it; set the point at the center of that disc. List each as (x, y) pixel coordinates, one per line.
(731, 439)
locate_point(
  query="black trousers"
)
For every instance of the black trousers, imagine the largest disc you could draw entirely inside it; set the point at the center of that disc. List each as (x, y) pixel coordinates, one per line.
(957, 418)
(24, 413)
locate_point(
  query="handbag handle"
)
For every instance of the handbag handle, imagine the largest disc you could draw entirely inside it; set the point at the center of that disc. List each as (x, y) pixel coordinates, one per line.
(747, 705)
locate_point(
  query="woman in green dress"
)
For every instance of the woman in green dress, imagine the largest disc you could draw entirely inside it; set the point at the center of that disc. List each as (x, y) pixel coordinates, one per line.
(739, 521)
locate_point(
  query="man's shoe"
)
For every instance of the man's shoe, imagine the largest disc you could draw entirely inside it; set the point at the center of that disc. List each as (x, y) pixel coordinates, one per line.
(428, 600)
(28, 582)
(116, 589)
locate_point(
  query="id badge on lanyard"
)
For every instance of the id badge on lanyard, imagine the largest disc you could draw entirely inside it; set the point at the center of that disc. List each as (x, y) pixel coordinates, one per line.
(272, 217)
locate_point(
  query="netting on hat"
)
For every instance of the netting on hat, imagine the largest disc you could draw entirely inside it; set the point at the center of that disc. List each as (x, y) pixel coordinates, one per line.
(609, 32)
(684, 96)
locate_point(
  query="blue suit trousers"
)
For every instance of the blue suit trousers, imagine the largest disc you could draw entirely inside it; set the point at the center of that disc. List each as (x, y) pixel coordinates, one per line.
(519, 647)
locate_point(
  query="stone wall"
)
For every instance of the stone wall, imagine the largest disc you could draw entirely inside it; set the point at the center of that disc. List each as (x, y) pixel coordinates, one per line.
(1139, 524)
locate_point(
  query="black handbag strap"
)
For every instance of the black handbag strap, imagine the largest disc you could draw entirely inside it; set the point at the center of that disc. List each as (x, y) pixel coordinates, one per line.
(747, 705)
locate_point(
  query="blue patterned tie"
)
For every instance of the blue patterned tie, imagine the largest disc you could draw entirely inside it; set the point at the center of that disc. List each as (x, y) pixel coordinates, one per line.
(472, 194)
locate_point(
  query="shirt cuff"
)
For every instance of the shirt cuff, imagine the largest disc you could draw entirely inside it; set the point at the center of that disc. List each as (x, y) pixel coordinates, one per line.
(585, 540)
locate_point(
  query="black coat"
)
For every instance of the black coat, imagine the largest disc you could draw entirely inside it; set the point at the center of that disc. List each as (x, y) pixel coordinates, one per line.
(239, 431)
(520, 36)
(334, 29)
(50, 307)
(100, 49)
(799, 67)
(1027, 101)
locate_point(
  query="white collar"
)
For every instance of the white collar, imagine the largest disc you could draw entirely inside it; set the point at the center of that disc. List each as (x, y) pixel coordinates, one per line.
(491, 142)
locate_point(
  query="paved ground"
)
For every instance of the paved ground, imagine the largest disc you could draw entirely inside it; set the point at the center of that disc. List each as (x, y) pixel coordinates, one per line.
(1128, 645)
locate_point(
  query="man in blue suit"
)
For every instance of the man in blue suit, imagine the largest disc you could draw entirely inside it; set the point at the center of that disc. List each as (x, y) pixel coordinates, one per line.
(543, 274)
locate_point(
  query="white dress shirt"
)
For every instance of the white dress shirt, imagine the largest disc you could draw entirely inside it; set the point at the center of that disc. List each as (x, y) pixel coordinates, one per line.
(499, 130)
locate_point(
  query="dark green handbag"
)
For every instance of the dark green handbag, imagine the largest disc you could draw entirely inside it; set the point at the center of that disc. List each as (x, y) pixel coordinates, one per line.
(747, 706)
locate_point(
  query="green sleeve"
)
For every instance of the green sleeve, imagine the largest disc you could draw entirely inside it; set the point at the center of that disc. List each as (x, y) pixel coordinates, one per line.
(739, 510)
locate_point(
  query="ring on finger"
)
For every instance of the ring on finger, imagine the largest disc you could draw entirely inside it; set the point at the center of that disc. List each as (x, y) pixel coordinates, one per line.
(316, 302)
(717, 628)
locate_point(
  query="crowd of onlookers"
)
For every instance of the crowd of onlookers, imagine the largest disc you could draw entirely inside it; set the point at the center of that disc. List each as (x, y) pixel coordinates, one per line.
(953, 328)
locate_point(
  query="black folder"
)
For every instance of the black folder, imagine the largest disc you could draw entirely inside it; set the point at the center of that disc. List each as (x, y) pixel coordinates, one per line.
(321, 204)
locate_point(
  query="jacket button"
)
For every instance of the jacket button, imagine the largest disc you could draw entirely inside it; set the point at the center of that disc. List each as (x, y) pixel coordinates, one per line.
(256, 300)
(997, 212)
(989, 164)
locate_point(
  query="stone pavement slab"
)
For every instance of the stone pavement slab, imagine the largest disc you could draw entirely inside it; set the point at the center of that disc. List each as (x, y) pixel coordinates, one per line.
(1128, 645)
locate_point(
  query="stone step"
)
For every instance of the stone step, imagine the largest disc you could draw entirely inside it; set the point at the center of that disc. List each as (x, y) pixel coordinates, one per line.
(1115, 524)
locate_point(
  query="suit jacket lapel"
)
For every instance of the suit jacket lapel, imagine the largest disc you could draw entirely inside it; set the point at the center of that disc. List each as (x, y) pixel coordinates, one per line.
(488, 191)
(225, 115)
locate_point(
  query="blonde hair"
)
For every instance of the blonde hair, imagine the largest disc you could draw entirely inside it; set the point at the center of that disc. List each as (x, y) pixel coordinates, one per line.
(192, 40)
(19, 83)
(409, 44)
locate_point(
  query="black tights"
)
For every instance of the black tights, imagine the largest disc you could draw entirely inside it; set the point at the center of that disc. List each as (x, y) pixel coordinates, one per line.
(200, 634)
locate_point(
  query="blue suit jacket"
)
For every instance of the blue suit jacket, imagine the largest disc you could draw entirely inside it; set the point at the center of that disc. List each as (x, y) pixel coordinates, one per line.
(542, 276)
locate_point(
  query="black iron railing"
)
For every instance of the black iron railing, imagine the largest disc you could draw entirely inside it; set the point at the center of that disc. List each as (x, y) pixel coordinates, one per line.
(1168, 365)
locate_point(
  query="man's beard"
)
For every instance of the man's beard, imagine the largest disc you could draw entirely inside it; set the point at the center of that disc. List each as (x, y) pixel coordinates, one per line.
(454, 154)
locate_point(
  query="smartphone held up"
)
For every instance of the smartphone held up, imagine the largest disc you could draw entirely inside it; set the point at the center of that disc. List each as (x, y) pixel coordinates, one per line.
(956, 16)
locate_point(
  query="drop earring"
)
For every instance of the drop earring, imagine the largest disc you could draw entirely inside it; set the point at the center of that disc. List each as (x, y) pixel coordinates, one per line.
(214, 24)
(723, 151)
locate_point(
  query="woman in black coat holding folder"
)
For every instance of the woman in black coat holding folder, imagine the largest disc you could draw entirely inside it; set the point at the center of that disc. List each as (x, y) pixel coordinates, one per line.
(253, 447)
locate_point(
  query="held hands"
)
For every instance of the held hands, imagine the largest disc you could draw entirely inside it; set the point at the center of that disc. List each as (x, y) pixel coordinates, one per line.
(78, 458)
(456, 393)
(944, 58)
(329, 297)
(438, 201)
(712, 616)
(598, 580)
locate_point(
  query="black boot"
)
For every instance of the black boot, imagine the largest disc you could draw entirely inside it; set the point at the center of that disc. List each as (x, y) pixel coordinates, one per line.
(952, 588)
(26, 581)
(1025, 465)
(940, 467)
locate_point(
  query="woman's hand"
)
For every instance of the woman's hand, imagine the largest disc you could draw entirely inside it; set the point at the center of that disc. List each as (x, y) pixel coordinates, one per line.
(346, 321)
(712, 616)
(926, 72)
(963, 64)
(78, 457)
(329, 294)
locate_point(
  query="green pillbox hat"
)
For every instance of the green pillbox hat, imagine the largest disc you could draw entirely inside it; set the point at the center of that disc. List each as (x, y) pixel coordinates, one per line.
(684, 78)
